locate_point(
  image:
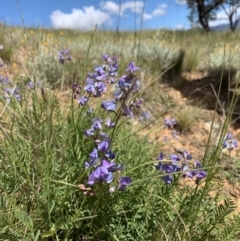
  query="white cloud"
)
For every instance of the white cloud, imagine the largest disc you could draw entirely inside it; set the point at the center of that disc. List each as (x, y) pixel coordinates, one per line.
(181, 2)
(133, 6)
(147, 16)
(113, 8)
(82, 19)
(159, 11)
(179, 26)
(222, 18)
(87, 17)
(110, 7)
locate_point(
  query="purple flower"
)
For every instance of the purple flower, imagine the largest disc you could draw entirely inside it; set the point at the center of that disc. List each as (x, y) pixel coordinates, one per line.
(165, 139)
(90, 163)
(169, 167)
(109, 123)
(198, 172)
(122, 84)
(30, 84)
(132, 68)
(107, 164)
(110, 105)
(160, 157)
(100, 174)
(89, 132)
(201, 174)
(197, 164)
(83, 100)
(119, 94)
(110, 155)
(94, 154)
(90, 89)
(97, 124)
(105, 57)
(117, 167)
(111, 68)
(145, 116)
(4, 80)
(170, 123)
(127, 111)
(187, 156)
(93, 158)
(187, 173)
(64, 55)
(104, 145)
(103, 134)
(175, 134)
(138, 103)
(123, 182)
(230, 143)
(135, 86)
(159, 166)
(168, 179)
(100, 88)
(12, 92)
(99, 70)
(174, 157)
(1, 46)
(76, 88)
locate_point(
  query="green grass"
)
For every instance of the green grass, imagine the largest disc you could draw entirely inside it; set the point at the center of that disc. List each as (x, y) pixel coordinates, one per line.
(43, 147)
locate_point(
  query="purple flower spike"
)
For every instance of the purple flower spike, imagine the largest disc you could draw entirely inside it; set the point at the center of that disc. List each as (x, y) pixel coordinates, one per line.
(110, 105)
(123, 182)
(132, 68)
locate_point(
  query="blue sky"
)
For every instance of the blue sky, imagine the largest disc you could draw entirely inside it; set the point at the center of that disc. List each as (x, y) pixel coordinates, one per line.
(83, 15)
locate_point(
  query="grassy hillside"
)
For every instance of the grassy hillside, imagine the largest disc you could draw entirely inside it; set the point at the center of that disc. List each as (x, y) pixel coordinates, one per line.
(119, 135)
